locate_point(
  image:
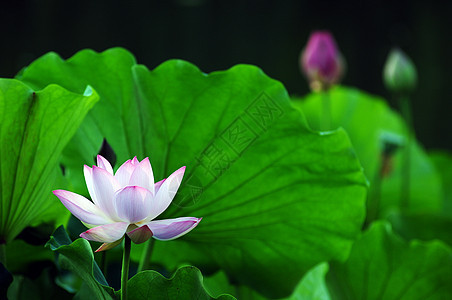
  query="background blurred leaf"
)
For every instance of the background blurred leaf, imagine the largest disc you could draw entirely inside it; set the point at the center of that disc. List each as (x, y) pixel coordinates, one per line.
(34, 128)
(371, 123)
(186, 283)
(78, 257)
(427, 226)
(41, 287)
(19, 254)
(383, 266)
(272, 192)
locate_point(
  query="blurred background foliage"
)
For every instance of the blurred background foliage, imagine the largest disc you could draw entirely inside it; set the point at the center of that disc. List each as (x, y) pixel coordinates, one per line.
(216, 35)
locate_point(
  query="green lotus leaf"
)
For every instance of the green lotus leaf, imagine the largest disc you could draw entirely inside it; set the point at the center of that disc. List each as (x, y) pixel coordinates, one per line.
(34, 129)
(78, 257)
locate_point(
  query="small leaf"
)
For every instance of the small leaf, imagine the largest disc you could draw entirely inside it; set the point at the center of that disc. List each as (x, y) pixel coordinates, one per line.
(78, 257)
(187, 283)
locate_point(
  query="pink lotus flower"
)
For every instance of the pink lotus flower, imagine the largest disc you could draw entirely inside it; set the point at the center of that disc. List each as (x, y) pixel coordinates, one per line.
(321, 61)
(126, 203)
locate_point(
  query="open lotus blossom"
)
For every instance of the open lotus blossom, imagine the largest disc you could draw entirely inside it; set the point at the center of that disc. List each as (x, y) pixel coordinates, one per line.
(126, 203)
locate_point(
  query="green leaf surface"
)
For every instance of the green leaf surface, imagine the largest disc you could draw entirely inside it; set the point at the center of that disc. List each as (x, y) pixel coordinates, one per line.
(78, 257)
(383, 266)
(271, 192)
(55, 214)
(187, 283)
(371, 123)
(34, 128)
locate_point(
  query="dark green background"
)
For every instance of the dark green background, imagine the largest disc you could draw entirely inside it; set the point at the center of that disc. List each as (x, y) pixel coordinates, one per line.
(215, 35)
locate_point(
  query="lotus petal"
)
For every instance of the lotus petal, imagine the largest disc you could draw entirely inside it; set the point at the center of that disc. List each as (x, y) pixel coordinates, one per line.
(171, 229)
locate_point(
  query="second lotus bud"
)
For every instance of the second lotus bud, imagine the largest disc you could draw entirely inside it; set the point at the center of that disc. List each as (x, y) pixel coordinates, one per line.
(399, 73)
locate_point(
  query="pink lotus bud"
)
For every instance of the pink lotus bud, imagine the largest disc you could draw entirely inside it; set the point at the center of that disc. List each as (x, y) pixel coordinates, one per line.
(321, 61)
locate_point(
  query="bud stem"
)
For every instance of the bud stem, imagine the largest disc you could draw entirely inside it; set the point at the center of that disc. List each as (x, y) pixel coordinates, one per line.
(404, 104)
(326, 111)
(146, 256)
(125, 267)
